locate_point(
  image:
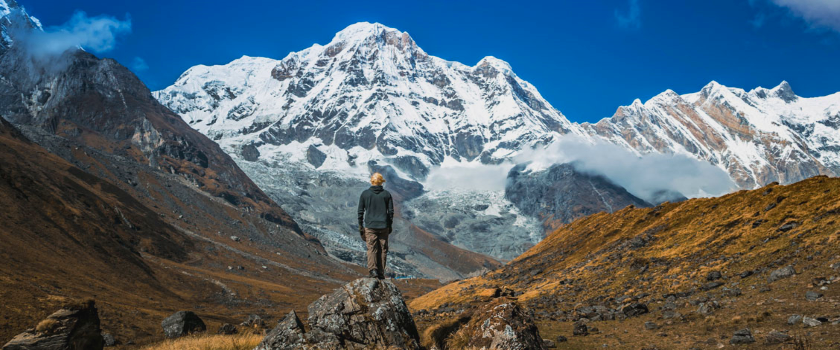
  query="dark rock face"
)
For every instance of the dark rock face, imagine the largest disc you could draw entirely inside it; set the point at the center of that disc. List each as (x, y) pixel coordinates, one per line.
(364, 313)
(562, 194)
(315, 157)
(250, 152)
(502, 324)
(182, 323)
(74, 327)
(403, 189)
(101, 104)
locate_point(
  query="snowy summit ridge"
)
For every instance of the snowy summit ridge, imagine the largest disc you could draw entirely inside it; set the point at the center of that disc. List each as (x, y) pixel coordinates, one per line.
(372, 94)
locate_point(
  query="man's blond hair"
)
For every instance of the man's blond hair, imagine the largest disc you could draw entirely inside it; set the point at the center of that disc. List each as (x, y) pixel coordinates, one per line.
(377, 179)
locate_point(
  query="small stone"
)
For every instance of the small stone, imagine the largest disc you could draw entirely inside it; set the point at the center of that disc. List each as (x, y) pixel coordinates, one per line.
(651, 326)
(776, 337)
(711, 285)
(743, 336)
(109, 340)
(580, 329)
(235, 238)
(810, 322)
(732, 292)
(669, 314)
(227, 329)
(781, 273)
(548, 343)
(253, 321)
(561, 339)
(746, 274)
(794, 319)
(714, 276)
(708, 308)
(812, 296)
(634, 309)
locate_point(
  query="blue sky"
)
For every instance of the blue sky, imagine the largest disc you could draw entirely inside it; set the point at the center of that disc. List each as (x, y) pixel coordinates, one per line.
(585, 57)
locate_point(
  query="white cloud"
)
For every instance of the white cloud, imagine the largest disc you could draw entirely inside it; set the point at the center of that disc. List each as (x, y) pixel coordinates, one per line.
(642, 176)
(817, 13)
(97, 34)
(138, 64)
(632, 19)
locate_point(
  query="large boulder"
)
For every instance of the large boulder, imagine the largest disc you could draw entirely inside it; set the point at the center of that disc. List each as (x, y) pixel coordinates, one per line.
(365, 313)
(501, 324)
(73, 327)
(182, 323)
(289, 334)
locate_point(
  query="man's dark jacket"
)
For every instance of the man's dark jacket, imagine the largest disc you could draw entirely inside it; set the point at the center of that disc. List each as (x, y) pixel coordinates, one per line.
(376, 208)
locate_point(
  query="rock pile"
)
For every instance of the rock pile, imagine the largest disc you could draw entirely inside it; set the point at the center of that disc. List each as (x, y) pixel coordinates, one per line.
(73, 327)
(364, 313)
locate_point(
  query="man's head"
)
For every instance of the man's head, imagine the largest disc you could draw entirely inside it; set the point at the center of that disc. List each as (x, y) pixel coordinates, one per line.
(376, 179)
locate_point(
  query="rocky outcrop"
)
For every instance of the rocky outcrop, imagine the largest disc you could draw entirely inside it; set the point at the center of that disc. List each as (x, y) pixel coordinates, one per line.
(315, 157)
(182, 323)
(362, 314)
(73, 327)
(561, 193)
(501, 324)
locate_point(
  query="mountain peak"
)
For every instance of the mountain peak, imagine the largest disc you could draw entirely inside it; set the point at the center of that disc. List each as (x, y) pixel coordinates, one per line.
(784, 92)
(496, 63)
(364, 31)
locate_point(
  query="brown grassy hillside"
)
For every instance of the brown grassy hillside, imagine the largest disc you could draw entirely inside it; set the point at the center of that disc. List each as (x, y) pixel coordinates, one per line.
(661, 257)
(68, 234)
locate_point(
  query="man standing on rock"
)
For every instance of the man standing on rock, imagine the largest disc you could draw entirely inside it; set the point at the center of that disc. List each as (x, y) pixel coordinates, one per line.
(376, 214)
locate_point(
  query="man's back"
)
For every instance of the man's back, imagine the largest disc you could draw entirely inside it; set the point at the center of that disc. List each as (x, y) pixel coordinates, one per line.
(376, 208)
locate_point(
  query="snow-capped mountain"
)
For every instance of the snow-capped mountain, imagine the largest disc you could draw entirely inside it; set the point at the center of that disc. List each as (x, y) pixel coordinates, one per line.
(308, 127)
(371, 92)
(758, 137)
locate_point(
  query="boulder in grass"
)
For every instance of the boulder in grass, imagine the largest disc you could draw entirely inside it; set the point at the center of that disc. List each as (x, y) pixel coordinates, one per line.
(365, 313)
(73, 327)
(182, 323)
(501, 324)
(781, 273)
(109, 340)
(227, 329)
(289, 334)
(743, 336)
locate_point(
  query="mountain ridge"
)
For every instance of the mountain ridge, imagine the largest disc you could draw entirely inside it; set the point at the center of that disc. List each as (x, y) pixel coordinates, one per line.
(383, 70)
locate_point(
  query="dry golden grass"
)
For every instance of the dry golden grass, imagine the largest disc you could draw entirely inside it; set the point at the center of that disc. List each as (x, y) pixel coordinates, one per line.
(209, 342)
(672, 248)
